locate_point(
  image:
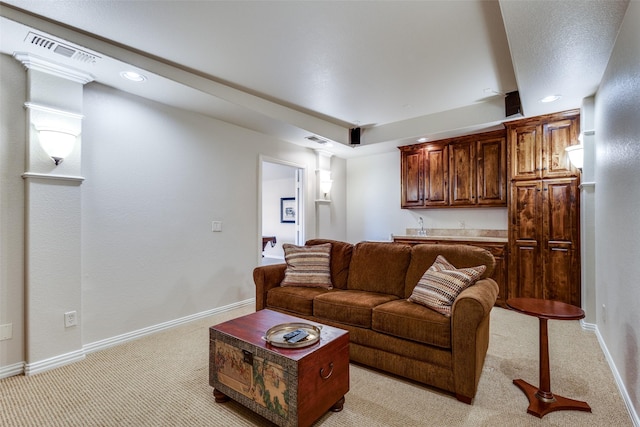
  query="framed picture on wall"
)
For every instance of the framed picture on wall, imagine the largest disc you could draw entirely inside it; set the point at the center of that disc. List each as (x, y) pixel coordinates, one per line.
(288, 209)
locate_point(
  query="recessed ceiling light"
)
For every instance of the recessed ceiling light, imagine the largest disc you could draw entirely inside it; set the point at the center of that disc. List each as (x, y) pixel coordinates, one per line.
(133, 76)
(423, 139)
(550, 98)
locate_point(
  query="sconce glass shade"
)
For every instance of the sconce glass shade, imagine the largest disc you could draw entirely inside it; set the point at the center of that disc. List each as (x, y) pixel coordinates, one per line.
(576, 155)
(325, 182)
(57, 144)
(325, 186)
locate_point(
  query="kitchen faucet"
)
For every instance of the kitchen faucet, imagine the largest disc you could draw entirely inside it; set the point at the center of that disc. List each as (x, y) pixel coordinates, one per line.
(422, 231)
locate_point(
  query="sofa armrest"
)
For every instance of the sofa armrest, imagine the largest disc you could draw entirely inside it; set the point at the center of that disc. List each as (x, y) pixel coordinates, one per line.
(267, 277)
(470, 335)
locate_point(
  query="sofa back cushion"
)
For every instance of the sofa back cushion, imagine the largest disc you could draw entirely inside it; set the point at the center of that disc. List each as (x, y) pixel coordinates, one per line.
(307, 266)
(462, 256)
(340, 260)
(379, 267)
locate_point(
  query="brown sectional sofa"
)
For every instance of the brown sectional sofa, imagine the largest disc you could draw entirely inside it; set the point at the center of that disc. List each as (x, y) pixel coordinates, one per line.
(371, 284)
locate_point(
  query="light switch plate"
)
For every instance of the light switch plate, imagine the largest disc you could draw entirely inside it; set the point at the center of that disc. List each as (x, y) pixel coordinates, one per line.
(216, 226)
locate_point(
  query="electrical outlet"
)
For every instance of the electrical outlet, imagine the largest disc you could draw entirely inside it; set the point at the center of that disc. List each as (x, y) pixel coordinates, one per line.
(216, 226)
(70, 319)
(6, 331)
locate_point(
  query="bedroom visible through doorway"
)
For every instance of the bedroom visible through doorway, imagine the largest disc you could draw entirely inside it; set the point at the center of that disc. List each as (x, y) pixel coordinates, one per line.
(281, 209)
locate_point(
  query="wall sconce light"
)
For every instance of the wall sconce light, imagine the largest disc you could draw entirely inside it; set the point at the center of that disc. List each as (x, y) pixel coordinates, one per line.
(325, 183)
(57, 144)
(576, 155)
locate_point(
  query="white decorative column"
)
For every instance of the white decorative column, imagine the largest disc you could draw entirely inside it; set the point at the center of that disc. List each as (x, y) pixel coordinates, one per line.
(52, 217)
(587, 212)
(323, 192)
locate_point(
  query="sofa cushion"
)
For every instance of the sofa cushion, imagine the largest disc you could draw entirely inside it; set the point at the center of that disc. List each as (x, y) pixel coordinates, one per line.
(424, 255)
(349, 307)
(379, 267)
(340, 260)
(442, 283)
(307, 266)
(415, 322)
(295, 299)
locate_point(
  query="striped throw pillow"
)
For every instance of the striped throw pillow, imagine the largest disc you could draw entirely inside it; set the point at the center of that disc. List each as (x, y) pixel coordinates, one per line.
(441, 284)
(307, 266)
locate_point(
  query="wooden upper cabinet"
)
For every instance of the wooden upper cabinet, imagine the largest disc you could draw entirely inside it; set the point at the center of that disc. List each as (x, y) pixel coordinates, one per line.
(436, 163)
(526, 152)
(468, 171)
(412, 176)
(491, 160)
(556, 136)
(537, 146)
(462, 166)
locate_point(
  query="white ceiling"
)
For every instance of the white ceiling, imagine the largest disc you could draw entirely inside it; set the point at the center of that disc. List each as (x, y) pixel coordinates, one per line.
(291, 69)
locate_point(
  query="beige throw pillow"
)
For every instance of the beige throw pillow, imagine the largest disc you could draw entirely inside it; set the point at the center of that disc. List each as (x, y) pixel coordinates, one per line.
(307, 266)
(441, 284)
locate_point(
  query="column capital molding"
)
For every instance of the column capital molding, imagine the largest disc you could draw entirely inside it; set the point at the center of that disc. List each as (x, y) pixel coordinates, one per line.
(33, 62)
(51, 110)
(33, 175)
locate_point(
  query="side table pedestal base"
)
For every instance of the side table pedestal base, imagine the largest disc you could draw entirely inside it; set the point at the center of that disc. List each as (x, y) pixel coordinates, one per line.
(541, 407)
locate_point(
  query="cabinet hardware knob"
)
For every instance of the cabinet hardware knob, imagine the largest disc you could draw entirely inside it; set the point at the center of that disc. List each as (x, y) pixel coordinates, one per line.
(326, 377)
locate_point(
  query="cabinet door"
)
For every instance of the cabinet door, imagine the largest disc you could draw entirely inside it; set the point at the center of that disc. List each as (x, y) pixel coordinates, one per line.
(437, 175)
(556, 136)
(525, 151)
(462, 167)
(491, 161)
(499, 252)
(525, 239)
(561, 240)
(412, 177)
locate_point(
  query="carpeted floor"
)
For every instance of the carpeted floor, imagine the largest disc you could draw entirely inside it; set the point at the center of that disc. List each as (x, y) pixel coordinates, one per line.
(162, 380)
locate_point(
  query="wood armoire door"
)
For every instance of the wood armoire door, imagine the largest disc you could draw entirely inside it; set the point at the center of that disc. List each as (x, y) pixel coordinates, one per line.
(556, 136)
(525, 151)
(544, 257)
(561, 254)
(525, 240)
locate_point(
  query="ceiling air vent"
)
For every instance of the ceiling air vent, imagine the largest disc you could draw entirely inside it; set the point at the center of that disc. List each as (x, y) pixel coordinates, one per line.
(61, 49)
(317, 139)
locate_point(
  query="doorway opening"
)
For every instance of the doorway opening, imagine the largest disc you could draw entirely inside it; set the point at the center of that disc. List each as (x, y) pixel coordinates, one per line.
(281, 208)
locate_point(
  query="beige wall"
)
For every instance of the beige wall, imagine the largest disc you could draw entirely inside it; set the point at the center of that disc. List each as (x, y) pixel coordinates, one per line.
(617, 204)
(155, 178)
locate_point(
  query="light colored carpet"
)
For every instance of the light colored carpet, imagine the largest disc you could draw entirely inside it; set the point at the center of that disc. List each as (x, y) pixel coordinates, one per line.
(162, 380)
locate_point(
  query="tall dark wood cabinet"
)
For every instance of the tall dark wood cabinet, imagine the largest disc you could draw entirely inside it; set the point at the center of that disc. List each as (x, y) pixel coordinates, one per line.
(544, 209)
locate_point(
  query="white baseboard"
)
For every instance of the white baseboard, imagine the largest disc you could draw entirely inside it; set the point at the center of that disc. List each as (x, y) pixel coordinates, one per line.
(75, 356)
(110, 342)
(616, 375)
(11, 370)
(53, 362)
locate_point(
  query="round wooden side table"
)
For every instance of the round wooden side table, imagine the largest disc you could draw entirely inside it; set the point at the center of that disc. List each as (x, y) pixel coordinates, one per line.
(541, 400)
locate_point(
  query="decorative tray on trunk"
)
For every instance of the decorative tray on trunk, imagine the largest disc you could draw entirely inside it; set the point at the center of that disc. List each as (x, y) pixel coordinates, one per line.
(293, 335)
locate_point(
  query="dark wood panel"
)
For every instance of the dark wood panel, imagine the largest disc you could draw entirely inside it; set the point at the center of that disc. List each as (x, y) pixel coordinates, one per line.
(491, 161)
